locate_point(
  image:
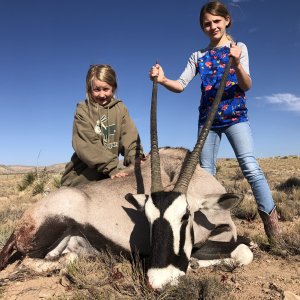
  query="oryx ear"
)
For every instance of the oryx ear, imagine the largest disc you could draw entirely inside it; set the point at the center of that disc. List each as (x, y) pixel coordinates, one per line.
(221, 201)
(138, 200)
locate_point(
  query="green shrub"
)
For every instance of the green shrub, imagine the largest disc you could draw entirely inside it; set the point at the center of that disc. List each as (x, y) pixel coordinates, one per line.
(38, 188)
(57, 181)
(28, 180)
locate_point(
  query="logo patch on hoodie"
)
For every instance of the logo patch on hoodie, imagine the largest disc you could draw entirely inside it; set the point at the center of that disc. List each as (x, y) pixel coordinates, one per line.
(105, 131)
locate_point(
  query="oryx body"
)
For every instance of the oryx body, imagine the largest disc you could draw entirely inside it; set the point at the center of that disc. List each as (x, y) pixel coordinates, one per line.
(91, 217)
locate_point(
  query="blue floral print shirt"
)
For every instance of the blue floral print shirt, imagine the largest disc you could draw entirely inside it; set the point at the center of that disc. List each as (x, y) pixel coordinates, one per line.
(210, 64)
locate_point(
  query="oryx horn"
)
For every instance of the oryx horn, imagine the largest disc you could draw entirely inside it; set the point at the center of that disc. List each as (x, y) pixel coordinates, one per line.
(156, 182)
(190, 166)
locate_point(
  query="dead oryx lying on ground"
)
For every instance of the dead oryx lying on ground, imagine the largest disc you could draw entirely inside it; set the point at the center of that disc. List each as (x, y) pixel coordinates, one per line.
(168, 209)
(88, 218)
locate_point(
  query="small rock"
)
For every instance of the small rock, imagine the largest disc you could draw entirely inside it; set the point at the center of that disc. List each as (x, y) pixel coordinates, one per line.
(274, 287)
(266, 291)
(64, 282)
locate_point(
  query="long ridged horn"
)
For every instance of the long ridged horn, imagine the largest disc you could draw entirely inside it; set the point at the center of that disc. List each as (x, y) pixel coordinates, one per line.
(188, 171)
(156, 182)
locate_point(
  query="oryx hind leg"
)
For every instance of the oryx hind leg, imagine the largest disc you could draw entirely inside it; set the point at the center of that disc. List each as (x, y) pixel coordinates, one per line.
(72, 245)
(58, 250)
(68, 249)
(80, 246)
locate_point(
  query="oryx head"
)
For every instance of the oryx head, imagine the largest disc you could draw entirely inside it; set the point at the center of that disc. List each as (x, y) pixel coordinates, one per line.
(168, 213)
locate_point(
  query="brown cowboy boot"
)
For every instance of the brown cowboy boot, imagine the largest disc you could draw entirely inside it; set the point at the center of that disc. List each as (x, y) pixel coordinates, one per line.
(272, 228)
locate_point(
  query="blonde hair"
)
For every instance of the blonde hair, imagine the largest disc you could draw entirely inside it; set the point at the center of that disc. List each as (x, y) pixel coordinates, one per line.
(101, 72)
(215, 8)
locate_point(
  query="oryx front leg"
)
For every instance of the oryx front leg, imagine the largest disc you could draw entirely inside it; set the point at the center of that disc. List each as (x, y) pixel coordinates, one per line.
(241, 255)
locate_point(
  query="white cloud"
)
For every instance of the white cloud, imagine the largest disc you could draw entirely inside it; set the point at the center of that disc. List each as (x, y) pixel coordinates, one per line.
(286, 101)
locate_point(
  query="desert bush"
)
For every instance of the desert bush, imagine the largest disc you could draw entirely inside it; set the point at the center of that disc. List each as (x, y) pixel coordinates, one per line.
(238, 174)
(246, 210)
(288, 245)
(286, 212)
(242, 187)
(190, 288)
(289, 184)
(288, 204)
(292, 241)
(38, 188)
(38, 181)
(237, 186)
(57, 181)
(28, 180)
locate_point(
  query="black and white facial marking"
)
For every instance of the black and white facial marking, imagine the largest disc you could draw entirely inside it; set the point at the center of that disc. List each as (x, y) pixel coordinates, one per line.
(171, 237)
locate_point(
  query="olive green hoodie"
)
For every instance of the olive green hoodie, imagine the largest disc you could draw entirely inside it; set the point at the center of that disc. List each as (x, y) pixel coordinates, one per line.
(100, 134)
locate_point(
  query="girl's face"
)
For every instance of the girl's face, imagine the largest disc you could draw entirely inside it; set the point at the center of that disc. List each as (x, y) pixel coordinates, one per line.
(102, 92)
(215, 26)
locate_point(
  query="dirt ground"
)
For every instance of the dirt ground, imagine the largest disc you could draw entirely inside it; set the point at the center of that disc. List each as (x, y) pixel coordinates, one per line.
(267, 277)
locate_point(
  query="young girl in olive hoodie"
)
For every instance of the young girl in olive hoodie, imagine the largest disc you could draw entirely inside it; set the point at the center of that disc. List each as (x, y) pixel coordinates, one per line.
(102, 130)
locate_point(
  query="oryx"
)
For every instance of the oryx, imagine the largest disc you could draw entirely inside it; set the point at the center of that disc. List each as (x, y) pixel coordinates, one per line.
(168, 208)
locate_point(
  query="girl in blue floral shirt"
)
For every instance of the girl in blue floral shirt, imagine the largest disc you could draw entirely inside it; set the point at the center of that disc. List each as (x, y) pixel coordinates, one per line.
(231, 118)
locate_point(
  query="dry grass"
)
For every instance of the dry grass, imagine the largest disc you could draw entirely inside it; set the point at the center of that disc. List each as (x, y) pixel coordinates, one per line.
(283, 178)
(208, 288)
(292, 240)
(115, 277)
(107, 275)
(282, 174)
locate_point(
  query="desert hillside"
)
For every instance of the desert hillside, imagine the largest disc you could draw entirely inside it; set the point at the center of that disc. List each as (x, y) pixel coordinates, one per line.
(17, 169)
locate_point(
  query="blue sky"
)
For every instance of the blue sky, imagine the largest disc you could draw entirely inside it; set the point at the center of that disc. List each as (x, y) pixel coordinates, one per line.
(48, 45)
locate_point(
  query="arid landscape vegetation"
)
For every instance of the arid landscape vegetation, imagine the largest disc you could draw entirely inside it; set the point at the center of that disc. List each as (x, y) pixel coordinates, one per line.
(274, 273)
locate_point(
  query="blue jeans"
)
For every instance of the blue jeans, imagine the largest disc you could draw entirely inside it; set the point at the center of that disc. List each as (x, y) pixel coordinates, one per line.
(240, 137)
